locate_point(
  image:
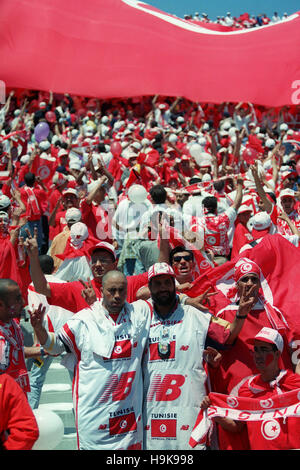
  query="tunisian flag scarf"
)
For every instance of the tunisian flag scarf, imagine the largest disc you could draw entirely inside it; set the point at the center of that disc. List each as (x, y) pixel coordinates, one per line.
(244, 409)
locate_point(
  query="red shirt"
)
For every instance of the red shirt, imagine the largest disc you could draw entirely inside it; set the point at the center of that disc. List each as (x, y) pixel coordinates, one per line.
(16, 416)
(68, 295)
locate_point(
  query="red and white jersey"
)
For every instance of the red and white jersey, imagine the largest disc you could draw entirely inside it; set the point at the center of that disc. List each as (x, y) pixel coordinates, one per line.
(108, 385)
(216, 231)
(283, 226)
(12, 358)
(174, 387)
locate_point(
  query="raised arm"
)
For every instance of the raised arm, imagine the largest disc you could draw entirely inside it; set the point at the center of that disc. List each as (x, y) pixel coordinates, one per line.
(37, 276)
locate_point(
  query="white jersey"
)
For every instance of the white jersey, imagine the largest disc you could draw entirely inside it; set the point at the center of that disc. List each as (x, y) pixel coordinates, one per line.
(174, 387)
(108, 387)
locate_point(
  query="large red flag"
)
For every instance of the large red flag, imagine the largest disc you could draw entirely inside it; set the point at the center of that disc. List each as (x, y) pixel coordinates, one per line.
(279, 262)
(123, 48)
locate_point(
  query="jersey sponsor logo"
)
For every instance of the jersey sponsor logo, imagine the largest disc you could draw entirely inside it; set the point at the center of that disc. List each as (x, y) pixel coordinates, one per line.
(122, 424)
(163, 428)
(122, 350)
(153, 350)
(118, 388)
(270, 429)
(184, 347)
(166, 389)
(184, 427)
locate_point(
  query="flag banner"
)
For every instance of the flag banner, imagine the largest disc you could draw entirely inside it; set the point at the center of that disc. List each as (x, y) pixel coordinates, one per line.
(163, 428)
(244, 409)
(279, 262)
(125, 48)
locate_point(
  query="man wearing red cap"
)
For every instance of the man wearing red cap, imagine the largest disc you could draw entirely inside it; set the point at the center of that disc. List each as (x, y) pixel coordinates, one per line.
(282, 432)
(237, 362)
(174, 363)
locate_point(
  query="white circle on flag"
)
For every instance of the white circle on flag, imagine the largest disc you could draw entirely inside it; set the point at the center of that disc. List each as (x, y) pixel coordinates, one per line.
(118, 350)
(204, 264)
(43, 172)
(211, 240)
(163, 428)
(246, 267)
(266, 403)
(232, 402)
(270, 429)
(123, 424)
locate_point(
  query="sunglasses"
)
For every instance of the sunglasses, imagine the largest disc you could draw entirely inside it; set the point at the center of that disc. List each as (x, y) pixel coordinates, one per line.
(176, 259)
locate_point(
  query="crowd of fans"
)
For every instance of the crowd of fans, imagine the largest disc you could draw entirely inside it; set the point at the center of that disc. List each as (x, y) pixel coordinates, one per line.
(245, 20)
(210, 179)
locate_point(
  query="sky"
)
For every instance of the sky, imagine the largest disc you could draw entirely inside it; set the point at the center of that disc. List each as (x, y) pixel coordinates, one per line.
(216, 8)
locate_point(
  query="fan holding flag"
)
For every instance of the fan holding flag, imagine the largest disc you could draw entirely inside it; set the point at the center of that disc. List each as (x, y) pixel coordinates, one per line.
(237, 362)
(271, 425)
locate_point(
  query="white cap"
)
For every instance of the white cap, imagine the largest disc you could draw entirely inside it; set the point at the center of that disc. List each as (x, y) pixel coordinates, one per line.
(4, 217)
(270, 143)
(158, 269)
(62, 152)
(173, 138)
(261, 221)
(4, 201)
(78, 233)
(287, 193)
(269, 335)
(44, 145)
(137, 193)
(103, 246)
(244, 208)
(75, 165)
(73, 215)
(70, 191)
(283, 127)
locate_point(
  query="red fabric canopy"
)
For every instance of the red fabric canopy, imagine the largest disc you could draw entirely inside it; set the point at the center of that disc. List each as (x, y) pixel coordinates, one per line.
(124, 48)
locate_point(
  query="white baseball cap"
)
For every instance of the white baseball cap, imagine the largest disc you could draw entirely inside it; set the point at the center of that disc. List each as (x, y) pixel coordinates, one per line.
(261, 221)
(244, 208)
(158, 269)
(4, 201)
(103, 246)
(73, 214)
(70, 191)
(269, 335)
(137, 193)
(287, 193)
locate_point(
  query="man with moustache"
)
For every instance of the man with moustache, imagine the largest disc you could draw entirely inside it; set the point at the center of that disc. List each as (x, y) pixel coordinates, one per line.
(174, 369)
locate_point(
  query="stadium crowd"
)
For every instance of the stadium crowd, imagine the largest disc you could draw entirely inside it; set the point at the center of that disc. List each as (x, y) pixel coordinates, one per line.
(158, 192)
(245, 20)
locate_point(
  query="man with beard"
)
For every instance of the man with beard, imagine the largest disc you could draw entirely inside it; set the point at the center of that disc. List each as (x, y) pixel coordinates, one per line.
(174, 362)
